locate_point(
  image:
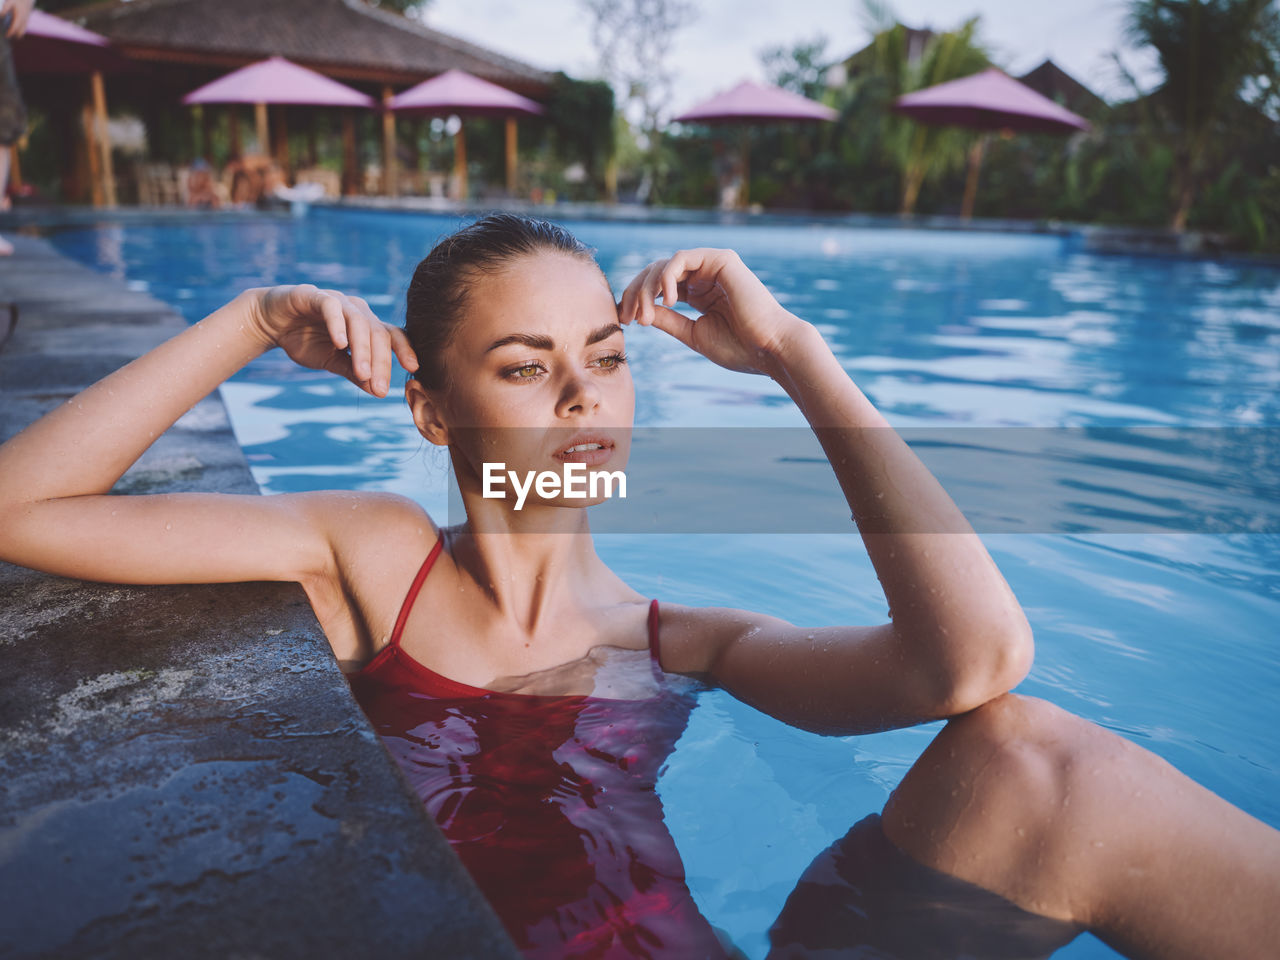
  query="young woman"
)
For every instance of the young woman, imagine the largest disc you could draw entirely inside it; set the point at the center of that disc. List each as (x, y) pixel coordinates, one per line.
(531, 695)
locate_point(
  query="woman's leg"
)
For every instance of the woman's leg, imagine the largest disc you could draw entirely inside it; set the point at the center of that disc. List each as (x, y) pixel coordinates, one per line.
(1068, 820)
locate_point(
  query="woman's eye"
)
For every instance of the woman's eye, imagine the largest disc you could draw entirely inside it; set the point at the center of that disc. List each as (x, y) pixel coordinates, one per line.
(524, 372)
(613, 361)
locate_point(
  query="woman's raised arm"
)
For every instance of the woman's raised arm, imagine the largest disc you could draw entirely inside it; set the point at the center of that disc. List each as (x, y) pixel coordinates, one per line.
(56, 513)
(957, 636)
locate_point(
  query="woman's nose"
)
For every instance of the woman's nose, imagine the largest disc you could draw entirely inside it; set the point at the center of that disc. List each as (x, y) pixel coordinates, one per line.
(579, 395)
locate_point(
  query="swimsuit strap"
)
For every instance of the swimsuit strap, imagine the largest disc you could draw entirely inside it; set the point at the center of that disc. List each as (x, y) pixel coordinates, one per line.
(413, 590)
(655, 652)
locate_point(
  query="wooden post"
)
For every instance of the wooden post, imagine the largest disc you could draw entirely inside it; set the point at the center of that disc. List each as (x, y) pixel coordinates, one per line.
(460, 162)
(91, 143)
(260, 122)
(971, 178)
(745, 192)
(15, 169)
(390, 175)
(511, 155)
(233, 134)
(350, 163)
(611, 180)
(103, 138)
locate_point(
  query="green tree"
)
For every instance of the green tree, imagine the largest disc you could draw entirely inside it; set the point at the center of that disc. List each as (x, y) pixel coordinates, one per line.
(582, 115)
(632, 40)
(1221, 70)
(918, 150)
(800, 68)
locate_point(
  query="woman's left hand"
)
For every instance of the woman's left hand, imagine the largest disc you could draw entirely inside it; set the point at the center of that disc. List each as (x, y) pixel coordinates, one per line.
(741, 327)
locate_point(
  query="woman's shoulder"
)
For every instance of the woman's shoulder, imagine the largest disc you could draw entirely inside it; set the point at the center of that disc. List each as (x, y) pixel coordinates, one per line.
(368, 533)
(368, 529)
(377, 541)
(350, 517)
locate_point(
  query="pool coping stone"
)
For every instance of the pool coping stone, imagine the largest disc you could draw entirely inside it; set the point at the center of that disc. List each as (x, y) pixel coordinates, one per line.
(184, 769)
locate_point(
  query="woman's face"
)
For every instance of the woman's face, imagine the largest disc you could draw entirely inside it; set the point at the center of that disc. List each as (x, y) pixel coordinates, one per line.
(537, 365)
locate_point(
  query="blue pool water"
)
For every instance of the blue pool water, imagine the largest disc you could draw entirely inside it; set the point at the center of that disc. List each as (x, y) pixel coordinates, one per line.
(1169, 639)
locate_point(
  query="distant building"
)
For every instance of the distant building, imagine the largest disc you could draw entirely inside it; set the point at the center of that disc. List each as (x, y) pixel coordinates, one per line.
(1052, 81)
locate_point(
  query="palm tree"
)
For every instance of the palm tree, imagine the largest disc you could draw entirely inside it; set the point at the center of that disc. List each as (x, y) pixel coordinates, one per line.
(919, 151)
(1219, 59)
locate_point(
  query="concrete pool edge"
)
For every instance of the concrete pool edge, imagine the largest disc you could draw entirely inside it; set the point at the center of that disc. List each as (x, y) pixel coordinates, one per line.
(185, 770)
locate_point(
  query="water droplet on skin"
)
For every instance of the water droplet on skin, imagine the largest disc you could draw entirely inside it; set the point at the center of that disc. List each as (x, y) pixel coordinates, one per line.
(1021, 832)
(1097, 843)
(168, 526)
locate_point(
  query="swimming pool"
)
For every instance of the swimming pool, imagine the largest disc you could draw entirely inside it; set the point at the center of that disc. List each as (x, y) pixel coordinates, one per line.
(1166, 638)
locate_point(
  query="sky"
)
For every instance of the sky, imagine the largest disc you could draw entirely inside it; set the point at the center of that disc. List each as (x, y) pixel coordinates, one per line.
(721, 45)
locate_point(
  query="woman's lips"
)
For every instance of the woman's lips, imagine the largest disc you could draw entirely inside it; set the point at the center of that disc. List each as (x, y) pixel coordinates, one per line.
(593, 456)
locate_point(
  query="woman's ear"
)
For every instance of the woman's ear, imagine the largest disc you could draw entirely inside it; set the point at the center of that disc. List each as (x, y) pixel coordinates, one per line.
(427, 415)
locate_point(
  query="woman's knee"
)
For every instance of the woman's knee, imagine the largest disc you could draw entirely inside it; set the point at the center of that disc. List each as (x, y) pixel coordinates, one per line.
(986, 798)
(1012, 746)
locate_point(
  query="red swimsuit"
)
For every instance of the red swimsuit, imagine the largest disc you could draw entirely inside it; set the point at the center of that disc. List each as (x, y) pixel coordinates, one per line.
(549, 801)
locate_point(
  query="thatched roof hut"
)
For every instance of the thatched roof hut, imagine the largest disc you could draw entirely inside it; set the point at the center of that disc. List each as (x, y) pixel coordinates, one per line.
(345, 39)
(179, 45)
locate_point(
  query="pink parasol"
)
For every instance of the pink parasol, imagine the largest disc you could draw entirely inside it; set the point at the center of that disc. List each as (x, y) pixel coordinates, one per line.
(751, 102)
(990, 100)
(53, 45)
(41, 24)
(277, 80)
(458, 92)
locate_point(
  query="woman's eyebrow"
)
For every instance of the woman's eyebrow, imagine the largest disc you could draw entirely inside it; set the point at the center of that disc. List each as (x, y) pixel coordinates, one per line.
(541, 342)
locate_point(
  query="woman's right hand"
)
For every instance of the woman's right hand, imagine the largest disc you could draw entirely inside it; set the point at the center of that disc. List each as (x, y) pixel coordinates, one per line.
(329, 330)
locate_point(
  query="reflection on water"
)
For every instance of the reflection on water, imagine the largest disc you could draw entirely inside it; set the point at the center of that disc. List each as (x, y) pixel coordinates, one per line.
(1168, 638)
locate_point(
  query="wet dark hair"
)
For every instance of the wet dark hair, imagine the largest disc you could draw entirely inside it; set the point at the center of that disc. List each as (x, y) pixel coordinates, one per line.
(443, 280)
